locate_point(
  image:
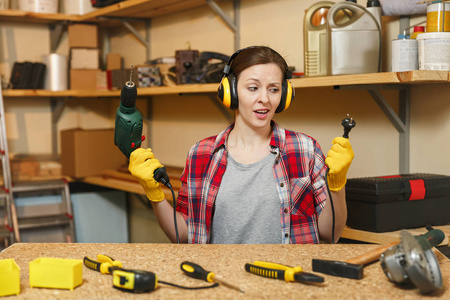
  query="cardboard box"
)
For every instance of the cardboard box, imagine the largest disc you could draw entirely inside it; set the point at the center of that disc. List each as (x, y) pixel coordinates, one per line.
(83, 79)
(89, 152)
(24, 168)
(84, 58)
(77, 7)
(119, 77)
(113, 61)
(83, 35)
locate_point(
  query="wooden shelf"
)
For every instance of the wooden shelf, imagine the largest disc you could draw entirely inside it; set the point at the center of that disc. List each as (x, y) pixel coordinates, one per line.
(13, 15)
(411, 77)
(141, 9)
(134, 9)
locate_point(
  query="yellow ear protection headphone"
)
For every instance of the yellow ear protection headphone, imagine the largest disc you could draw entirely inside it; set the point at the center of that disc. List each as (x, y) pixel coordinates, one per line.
(227, 91)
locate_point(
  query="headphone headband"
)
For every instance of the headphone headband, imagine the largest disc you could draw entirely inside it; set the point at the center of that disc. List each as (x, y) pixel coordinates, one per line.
(227, 68)
(227, 91)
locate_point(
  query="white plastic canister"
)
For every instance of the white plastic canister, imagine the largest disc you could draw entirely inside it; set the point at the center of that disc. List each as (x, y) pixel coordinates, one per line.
(434, 51)
(39, 6)
(404, 54)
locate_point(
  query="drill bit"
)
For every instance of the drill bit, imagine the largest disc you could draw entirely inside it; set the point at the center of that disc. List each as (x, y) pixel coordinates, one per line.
(130, 83)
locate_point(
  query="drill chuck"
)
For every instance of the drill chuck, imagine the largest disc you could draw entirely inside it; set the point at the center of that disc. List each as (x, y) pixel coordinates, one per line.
(128, 95)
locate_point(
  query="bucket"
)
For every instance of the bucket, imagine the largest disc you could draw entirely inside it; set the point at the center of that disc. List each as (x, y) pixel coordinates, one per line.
(315, 39)
(354, 40)
(39, 6)
(434, 51)
(438, 17)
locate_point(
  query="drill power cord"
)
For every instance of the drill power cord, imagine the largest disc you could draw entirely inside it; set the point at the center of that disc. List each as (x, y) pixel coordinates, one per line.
(160, 175)
(174, 213)
(333, 225)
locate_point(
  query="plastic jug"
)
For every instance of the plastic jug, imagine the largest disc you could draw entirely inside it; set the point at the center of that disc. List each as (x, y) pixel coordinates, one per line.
(354, 39)
(315, 39)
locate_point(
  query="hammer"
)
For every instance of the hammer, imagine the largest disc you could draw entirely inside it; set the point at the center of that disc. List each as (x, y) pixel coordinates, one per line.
(353, 268)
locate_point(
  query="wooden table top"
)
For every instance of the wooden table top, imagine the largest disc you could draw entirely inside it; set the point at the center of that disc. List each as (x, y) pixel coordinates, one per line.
(226, 261)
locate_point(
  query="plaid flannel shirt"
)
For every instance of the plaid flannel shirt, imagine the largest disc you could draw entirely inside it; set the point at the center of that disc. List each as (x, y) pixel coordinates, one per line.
(299, 171)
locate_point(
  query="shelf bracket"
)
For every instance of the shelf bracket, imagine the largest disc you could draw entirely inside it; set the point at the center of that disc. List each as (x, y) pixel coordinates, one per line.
(56, 32)
(401, 121)
(57, 106)
(144, 40)
(234, 25)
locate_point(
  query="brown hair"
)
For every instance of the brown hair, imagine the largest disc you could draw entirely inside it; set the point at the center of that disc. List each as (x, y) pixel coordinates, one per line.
(258, 55)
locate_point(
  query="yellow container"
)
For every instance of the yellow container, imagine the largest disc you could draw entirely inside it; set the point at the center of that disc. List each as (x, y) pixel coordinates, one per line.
(438, 17)
(9, 277)
(56, 273)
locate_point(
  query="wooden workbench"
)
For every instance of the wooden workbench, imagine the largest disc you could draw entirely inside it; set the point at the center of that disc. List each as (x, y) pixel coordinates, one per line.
(226, 261)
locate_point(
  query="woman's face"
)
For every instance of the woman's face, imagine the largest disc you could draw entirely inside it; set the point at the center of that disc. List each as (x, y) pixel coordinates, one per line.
(259, 92)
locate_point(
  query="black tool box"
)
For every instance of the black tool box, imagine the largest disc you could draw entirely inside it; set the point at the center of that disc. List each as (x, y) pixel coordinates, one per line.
(389, 203)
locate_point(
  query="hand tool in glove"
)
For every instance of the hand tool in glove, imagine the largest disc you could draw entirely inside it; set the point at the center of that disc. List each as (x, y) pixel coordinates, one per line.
(142, 166)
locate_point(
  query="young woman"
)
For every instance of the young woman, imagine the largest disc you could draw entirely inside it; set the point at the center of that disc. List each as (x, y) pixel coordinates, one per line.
(255, 182)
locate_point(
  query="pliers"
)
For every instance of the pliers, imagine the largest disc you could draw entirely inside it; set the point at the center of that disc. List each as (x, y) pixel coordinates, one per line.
(278, 271)
(104, 265)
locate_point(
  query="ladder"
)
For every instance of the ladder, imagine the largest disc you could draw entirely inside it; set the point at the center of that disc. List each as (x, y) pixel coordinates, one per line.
(62, 217)
(10, 231)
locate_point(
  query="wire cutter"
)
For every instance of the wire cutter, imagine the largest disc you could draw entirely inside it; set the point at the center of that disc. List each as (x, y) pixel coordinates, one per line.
(104, 265)
(278, 271)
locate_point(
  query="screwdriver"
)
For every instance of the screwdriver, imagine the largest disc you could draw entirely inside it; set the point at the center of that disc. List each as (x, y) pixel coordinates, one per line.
(195, 271)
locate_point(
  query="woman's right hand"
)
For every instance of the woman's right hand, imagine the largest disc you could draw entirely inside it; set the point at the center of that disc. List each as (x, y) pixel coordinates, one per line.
(142, 166)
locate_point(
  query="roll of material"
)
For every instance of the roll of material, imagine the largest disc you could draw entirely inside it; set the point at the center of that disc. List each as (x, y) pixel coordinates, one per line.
(402, 7)
(57, 72)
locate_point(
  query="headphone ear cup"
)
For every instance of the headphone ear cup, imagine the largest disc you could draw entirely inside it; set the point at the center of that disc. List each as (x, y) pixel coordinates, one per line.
(287, 95)
(234, 99)
(227, 91)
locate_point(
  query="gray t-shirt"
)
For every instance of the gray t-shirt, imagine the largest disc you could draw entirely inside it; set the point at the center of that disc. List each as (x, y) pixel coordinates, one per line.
(247, 206)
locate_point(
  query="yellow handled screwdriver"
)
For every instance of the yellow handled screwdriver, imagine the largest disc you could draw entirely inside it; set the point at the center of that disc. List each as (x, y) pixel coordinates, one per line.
(195, 271)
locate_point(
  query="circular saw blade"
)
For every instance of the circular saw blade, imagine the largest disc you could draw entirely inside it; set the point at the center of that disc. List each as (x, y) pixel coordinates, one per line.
(422, 266)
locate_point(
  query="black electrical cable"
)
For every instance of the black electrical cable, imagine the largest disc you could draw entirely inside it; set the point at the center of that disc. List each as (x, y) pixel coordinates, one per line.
(175, 214)
(332, 207)
(189, 288)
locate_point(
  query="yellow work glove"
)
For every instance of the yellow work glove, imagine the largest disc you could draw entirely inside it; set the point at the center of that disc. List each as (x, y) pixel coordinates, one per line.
(338, 160)
(142, 166)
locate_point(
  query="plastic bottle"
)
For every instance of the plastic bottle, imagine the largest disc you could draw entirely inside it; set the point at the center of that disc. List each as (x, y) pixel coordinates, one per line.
(417, 30)
(315, 39)
(354, 43)
(375, 8)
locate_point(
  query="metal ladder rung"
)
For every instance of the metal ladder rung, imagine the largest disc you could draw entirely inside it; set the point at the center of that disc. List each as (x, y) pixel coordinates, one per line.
(39, 186)
(44, 221)
(63, 219)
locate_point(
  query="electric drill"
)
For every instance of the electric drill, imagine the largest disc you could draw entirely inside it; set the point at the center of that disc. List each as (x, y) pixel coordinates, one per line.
(128, 127)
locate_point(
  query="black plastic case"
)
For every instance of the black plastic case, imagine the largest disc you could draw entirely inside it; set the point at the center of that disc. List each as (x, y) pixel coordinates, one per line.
(395, 202)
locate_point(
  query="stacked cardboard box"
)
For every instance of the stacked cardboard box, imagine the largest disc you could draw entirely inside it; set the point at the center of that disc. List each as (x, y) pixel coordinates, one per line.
(84, 57)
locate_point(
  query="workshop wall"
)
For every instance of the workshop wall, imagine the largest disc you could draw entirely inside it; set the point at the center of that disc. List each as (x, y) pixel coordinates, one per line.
(180, 121)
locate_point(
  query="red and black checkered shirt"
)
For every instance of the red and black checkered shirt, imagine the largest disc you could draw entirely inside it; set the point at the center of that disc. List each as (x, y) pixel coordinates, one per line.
(299, 172)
